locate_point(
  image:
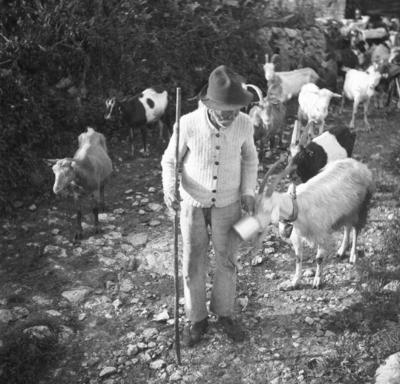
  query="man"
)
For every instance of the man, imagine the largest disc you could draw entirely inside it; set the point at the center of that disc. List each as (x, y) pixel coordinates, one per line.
(219, 172)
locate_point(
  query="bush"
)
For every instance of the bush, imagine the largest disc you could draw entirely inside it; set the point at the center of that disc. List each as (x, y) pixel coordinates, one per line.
(59, 60)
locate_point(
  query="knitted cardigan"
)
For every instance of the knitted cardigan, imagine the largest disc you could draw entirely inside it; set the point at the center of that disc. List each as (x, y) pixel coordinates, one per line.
(218, 165)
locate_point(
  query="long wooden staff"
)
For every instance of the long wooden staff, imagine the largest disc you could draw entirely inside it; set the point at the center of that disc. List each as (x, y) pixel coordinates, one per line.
(176, 225)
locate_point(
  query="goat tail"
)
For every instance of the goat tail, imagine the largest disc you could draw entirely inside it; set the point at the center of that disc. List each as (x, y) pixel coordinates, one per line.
(257, 90)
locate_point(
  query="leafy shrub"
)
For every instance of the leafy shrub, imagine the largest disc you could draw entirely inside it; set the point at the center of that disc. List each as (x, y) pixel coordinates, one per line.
(59, 60)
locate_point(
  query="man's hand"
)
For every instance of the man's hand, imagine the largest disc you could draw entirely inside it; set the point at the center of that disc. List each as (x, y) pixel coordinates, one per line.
(248, 203)
(171, 201)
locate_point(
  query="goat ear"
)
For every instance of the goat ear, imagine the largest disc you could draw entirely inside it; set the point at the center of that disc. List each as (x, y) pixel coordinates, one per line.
(50, 162)
(73, 164)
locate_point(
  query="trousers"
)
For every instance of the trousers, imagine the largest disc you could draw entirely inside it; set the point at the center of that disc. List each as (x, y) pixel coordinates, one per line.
(195, 224)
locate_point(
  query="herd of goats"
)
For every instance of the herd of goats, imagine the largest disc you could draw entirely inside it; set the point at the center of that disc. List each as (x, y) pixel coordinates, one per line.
(335, 189)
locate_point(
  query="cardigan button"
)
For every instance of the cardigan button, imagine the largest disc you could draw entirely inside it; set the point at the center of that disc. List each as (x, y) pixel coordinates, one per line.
(215, 177)
(217, 147)
(214, 191)
(216, 163)
(213, 199)
(217, 134)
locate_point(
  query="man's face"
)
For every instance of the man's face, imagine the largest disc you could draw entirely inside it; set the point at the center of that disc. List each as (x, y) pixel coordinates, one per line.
(224, 118)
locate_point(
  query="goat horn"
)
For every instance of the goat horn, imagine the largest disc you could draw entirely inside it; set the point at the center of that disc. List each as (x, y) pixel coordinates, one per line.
(50, 162)
(266, 58)
(257, 90)
(278, 178)
(295, 133)
(304, 136)
(269, 172)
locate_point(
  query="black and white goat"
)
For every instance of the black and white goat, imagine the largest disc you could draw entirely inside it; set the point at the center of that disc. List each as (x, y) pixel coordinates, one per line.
(85, 174)
(139, 111)
(308, 159)
(336, 197)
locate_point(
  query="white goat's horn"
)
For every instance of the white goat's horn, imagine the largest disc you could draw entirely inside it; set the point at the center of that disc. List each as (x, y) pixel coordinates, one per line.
(303, 141)
(295, 133)
(269, 172)
(266, 58)
(278, 178)
(257, 90)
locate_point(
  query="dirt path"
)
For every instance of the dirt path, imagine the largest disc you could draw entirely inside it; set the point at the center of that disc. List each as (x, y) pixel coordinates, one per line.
(100, 312)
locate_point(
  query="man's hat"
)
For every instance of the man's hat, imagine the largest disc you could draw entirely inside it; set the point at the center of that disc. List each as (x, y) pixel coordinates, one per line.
(226, 90)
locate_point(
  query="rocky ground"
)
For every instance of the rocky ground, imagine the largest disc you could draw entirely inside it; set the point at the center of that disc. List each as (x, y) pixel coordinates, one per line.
(102, 311)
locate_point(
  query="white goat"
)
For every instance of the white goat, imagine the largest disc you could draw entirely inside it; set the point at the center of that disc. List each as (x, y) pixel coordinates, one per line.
(314, 105)
(360, 87)
(285, 85)
(268, 117)
(337, 196)
(85, 173)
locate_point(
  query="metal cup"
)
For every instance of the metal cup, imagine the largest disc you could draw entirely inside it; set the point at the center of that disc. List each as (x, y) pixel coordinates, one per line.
(247, 227)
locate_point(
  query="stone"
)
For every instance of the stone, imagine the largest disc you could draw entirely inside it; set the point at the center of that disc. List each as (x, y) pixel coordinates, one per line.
(155, 207)
(389, 371)
(40, 300)
(149, 333)
(157, 364)
(5, 316)
(154, 223)
(162, 316)
(393, 286)
(53, 313)
(76, 295)
(176, 376)
(137, 239)
(107, 371)
(126, 286)
(38, 331)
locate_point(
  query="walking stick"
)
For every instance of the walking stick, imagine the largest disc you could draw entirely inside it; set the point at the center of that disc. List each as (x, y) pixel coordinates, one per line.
(176, 225)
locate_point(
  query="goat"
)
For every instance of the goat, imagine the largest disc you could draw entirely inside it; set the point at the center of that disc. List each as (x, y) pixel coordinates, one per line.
(283, 86)
(359, 86)
(327, 69)
(139, 111)
(269, 118)
(337, 196)
(314, 104)
(85, 174)
(308, 159)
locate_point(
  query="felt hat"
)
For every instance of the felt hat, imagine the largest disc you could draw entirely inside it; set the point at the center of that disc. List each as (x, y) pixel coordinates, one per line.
(225, 91)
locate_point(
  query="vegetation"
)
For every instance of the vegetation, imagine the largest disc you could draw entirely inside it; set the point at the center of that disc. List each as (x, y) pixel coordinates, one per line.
(60, 59)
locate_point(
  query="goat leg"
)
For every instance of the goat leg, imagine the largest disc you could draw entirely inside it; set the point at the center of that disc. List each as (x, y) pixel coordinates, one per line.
(353, 252)
(143, 130)
(132, 145)
(353, 115)
(79, 231)
(342, 104)
(298, 250)
(345, 242)
(366, 105)
(96, 218)
(318, 273)
(102, 206)
(398, 92)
